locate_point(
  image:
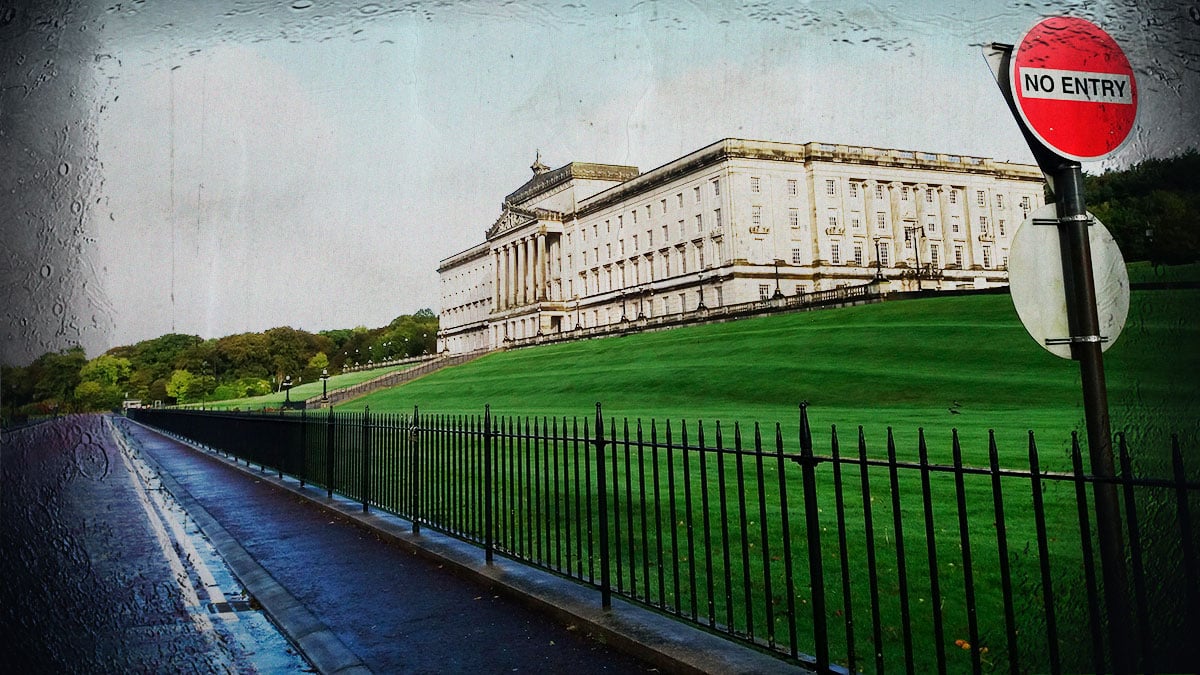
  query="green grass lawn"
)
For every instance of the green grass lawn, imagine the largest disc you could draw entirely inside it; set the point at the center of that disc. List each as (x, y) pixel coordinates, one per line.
(300, 392)
(901, 364)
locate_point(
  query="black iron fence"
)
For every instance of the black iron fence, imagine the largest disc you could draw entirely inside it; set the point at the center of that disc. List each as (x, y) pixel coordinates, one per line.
(876, 559)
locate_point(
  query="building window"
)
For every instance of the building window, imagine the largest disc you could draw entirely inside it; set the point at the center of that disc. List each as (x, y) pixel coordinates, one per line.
(931, 225)
(663, 202)
(884, 253)
(958, 255)
(830, 187)
(853, 190)
(881, 220)
(649, 214)
(797, 256)
(756, 215)
(635, 246)
(679, 199)
(935, 256)
(716, 183)
(858, 254)
(794, 217)
(696, 193)
(833, 222)
(999, 201)
(667, 235)
(791, 187)
(835, 253)
(928, 196)
(608, 251)
(855, 223)
(1000, 226)
(700, 256)
(878, 192)
(755, 184)
(983, 222)
(980, 198)
(953, 196)
(699, 223)
(717, 218)
(954, 225)
(650, 238)
(764, 291)
(1025, 203)
(904, 193)
(987, 257)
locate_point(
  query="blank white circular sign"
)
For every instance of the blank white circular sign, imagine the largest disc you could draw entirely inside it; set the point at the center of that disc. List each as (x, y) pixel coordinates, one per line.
(1035, 277)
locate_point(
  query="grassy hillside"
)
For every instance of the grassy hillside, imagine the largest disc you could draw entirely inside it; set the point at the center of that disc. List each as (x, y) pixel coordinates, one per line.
(901, 363)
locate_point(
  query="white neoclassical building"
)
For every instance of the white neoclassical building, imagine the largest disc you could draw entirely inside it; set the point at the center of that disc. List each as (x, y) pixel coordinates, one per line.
(594, 244)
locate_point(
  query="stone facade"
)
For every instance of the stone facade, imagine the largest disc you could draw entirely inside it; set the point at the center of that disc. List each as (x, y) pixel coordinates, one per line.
(594, 244)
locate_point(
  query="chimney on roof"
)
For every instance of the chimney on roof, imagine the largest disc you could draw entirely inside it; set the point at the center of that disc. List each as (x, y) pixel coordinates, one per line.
(537, 166)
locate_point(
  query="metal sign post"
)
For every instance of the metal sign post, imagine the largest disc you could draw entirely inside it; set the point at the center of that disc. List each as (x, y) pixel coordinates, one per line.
(1071, 90)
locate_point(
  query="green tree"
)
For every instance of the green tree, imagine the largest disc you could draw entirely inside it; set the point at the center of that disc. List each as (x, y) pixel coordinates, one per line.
(95, 395)
(107, 369)
(316, 364)
(57, 375)
(179, 384)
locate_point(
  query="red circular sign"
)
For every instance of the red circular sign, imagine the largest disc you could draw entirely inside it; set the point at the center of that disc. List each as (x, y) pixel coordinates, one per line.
(1074, 88)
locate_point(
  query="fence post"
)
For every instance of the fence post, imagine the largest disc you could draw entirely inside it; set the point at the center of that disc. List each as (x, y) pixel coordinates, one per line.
(812, 524)
(303, 446)
(329, 436)
(366, 460)
(414, 442)
(488, 543)
(602, 489)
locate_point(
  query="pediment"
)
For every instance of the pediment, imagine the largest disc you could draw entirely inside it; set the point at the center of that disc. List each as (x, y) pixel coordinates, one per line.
(512, 218)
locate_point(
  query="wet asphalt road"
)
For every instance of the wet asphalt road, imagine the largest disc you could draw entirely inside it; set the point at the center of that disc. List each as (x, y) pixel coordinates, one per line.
(93, 598)
(89, 585)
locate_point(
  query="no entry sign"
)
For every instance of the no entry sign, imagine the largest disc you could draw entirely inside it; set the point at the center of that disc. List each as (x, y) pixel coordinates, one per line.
(1074, 88)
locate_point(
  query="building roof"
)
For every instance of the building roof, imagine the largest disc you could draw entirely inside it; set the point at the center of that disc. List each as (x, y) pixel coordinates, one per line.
(545, 181)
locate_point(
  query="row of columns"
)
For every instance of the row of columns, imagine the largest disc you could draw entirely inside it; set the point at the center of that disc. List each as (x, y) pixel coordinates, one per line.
(520, 270)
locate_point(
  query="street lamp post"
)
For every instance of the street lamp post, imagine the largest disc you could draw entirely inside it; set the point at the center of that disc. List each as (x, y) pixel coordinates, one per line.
(325, 384)
(878, 259)
(778, 291)
(912, 234)
(700, 291)
(287, 389)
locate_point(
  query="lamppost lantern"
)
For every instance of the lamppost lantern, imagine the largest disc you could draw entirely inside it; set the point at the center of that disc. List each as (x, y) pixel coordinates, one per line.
(911, 236)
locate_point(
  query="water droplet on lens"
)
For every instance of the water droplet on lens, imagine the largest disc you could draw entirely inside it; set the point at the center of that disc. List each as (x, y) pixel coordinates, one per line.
(64, 169)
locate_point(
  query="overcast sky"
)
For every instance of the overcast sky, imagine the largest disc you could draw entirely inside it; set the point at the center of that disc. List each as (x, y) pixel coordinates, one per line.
(244, 165)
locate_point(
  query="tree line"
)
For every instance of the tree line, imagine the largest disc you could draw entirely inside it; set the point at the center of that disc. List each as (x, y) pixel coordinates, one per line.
(176, 368)
(1151, 208)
